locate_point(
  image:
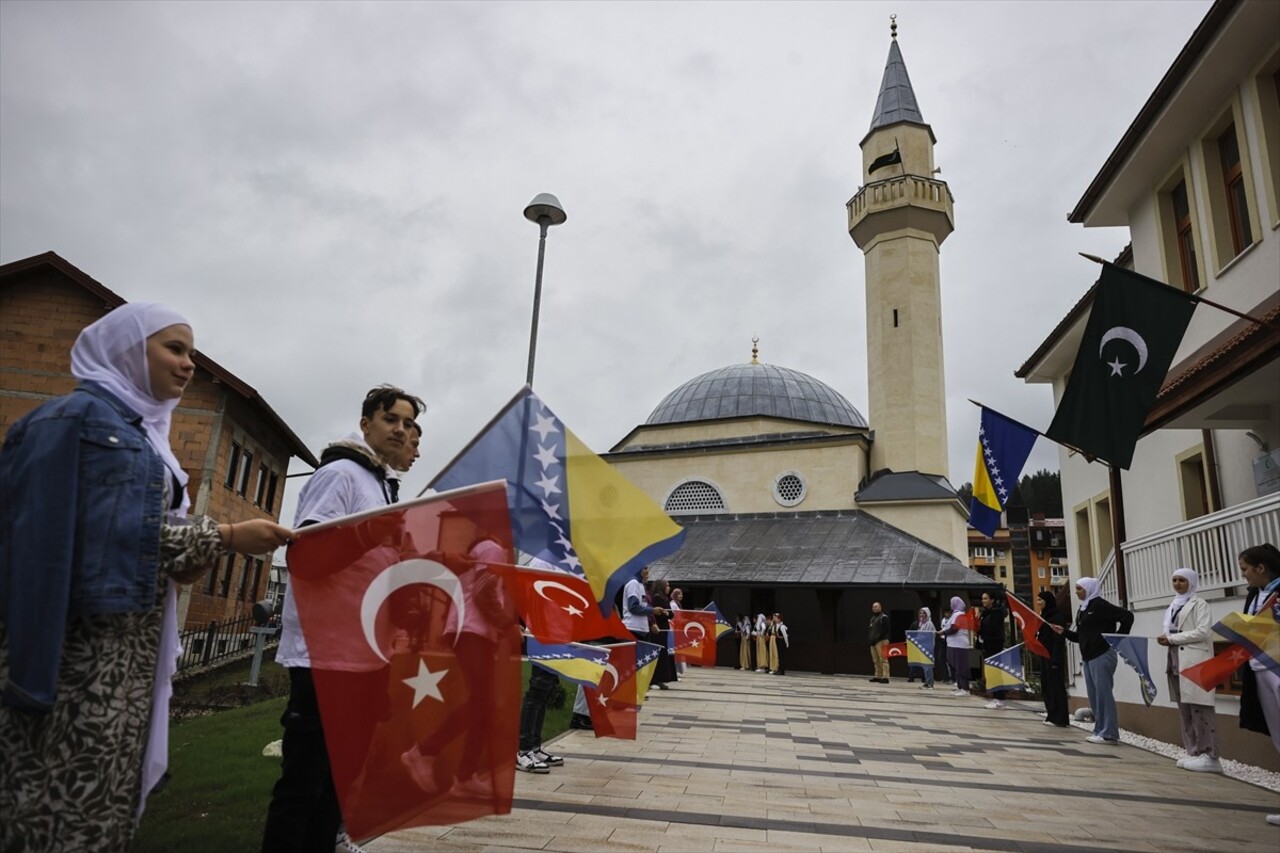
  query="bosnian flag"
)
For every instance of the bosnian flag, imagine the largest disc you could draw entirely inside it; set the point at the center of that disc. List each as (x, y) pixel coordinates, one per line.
(576, 662)
(1003, 671)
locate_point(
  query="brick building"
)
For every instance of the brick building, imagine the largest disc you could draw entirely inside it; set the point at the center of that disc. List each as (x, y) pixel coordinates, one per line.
(235, 449)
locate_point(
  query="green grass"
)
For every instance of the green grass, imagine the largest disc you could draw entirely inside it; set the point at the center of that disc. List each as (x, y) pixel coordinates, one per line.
(217, 798)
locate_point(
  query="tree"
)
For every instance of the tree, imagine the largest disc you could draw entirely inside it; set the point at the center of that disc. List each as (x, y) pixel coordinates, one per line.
(1038, 492)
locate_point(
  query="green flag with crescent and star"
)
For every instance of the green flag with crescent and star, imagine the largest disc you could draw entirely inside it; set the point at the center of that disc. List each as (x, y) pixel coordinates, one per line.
(1135, 326)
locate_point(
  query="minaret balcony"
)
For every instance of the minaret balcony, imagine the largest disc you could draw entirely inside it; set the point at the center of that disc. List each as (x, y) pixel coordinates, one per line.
(901, 202)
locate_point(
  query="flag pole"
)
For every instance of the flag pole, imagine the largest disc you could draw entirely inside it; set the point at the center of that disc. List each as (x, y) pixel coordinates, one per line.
(1193, 297)
(1007, 418)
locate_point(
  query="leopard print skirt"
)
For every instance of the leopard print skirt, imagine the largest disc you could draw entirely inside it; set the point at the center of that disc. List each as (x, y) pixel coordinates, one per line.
(70, 779)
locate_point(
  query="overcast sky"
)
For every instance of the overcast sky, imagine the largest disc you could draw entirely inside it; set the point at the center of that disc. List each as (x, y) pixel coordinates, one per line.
(333, 192)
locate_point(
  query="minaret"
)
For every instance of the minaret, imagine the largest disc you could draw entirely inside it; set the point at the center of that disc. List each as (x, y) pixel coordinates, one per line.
(899, 219)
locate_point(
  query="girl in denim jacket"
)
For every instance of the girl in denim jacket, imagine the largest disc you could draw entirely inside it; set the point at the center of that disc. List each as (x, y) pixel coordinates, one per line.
(95, 535)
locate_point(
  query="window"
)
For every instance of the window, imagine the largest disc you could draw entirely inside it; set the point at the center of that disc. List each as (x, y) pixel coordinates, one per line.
(211, 580)
(1040, 572)
(694, 496)
(1237, 197)
(271, 492)
(224, 588)
(789, 488)
(233, 464)
(260, 490)
(242, 488)
(1193, 479)
(1187, 264)
(244, 578)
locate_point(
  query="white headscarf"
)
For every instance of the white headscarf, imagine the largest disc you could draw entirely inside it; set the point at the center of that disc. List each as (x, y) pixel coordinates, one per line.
(113, 353)
(1092, 589)
(928, 619)
(1179, 601)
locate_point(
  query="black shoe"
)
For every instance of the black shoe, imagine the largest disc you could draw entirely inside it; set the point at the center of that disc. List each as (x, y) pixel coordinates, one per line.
(663, 686)
(874, 680)
(579, 721)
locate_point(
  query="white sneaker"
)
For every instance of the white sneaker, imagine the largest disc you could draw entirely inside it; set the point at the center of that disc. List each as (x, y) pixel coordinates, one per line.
(547, 758)
(994, 704)
(1273, 819)
(1203, 764)
(1182, 762)
(1099, 739)
(959, 692)
(527, 762)
(344, 844)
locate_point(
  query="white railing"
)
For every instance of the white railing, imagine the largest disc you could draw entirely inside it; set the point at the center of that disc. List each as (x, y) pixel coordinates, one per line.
(1209, 544)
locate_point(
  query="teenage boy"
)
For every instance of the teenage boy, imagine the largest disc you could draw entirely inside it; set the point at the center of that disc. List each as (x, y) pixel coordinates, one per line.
(303, 814)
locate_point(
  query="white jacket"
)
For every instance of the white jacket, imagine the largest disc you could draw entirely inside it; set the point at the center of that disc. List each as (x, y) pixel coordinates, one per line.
(1192, 633)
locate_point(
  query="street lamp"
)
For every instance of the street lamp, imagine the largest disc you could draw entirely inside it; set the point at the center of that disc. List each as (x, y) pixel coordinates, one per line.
(545, 210)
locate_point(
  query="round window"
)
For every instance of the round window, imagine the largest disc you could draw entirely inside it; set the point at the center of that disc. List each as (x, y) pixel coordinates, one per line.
(789, 489)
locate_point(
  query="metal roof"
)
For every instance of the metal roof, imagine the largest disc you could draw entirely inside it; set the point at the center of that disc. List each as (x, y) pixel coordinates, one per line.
(743, 390)
(906, 486)
(897, 100)
(825, 548)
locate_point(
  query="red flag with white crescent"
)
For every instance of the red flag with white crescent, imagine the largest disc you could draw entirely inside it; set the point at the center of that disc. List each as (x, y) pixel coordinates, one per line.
(615, 704)
(896, 650)
(1029, 623)
(558, 607)
(694, 636)
(415, 655)
(1217, 669)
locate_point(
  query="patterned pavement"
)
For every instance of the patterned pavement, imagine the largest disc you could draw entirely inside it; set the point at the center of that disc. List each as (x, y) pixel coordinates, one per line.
(727, 760)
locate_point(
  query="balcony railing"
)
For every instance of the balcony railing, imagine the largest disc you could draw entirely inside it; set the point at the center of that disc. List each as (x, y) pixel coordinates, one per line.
(1209, 544)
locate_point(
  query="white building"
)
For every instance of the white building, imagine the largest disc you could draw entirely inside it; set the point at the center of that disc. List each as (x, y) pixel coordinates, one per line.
(1196, 180)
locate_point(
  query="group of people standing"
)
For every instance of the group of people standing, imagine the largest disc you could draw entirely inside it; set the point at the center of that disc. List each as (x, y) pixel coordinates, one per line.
(767, 639)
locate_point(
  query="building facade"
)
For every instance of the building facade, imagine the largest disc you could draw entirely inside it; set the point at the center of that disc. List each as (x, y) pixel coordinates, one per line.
(1196, 181)
(235, 449)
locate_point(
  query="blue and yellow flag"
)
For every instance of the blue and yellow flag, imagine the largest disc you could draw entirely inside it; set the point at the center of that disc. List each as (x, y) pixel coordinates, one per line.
(1003, 671)
(1003, 448)
(646, 663)
(567, 505)
(920, 647)
(581, 664)
(1258, 634)
(723, 625)
(1133, 651)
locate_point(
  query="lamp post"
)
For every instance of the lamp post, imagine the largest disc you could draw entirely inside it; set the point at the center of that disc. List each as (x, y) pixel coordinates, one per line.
(545, 210)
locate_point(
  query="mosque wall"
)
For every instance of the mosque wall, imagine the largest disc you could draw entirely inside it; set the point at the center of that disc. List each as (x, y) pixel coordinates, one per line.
(938, 524)
(745, 478)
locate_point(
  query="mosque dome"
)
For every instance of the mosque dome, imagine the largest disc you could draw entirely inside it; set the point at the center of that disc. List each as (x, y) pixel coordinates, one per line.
(745, 390)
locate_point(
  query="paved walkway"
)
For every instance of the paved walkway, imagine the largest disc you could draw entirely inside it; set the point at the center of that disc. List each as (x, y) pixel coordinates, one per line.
(743, 761)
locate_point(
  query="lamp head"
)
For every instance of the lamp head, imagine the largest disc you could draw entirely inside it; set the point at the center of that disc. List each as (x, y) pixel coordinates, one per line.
(545, 204)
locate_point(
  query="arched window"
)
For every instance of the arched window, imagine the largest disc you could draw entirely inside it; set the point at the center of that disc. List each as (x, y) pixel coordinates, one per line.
(694, 496)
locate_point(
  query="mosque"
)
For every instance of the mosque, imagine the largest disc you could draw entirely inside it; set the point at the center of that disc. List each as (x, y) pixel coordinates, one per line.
(791, 501)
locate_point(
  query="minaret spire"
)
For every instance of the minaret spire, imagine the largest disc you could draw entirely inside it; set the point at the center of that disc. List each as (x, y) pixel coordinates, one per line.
(897, 100)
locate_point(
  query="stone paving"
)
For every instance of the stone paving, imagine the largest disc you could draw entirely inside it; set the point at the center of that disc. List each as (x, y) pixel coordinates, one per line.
(728, 760)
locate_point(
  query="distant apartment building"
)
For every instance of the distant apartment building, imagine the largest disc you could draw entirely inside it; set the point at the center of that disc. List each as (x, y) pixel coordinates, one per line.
(233, 446)
(1027, 555)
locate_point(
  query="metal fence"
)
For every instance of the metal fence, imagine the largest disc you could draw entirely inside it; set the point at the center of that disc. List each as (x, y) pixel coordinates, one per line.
(219, 641)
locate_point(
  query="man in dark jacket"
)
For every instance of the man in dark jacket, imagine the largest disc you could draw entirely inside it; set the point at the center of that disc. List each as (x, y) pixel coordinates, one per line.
(878, 639)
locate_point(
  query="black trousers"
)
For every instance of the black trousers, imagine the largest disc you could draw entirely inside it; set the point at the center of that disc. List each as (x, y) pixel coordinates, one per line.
(303, 816)
(533, 710)
(1054, 687)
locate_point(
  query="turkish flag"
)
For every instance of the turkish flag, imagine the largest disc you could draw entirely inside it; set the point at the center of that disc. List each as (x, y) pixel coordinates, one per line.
(558, 607)
(1217, 669)
(415, 655)
(896, 650)
(967, 621)
(1029, 623)
(615, 704)
(694, 636)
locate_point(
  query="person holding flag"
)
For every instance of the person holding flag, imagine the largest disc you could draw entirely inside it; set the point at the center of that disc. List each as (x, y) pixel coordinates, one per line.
(957, 638)
(878, 640)
(636, 610)
(304, 812)
(1096, 617)
(1260, 566)
(924, 622)
(1053, 669)
(1187, 635)
(991, 635)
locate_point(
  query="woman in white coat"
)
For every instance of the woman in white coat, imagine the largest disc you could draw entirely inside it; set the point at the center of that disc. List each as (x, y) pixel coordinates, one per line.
(1187, 634)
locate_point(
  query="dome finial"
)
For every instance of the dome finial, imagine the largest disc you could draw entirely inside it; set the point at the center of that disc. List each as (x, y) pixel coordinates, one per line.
(755, 350)
(893, 27)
